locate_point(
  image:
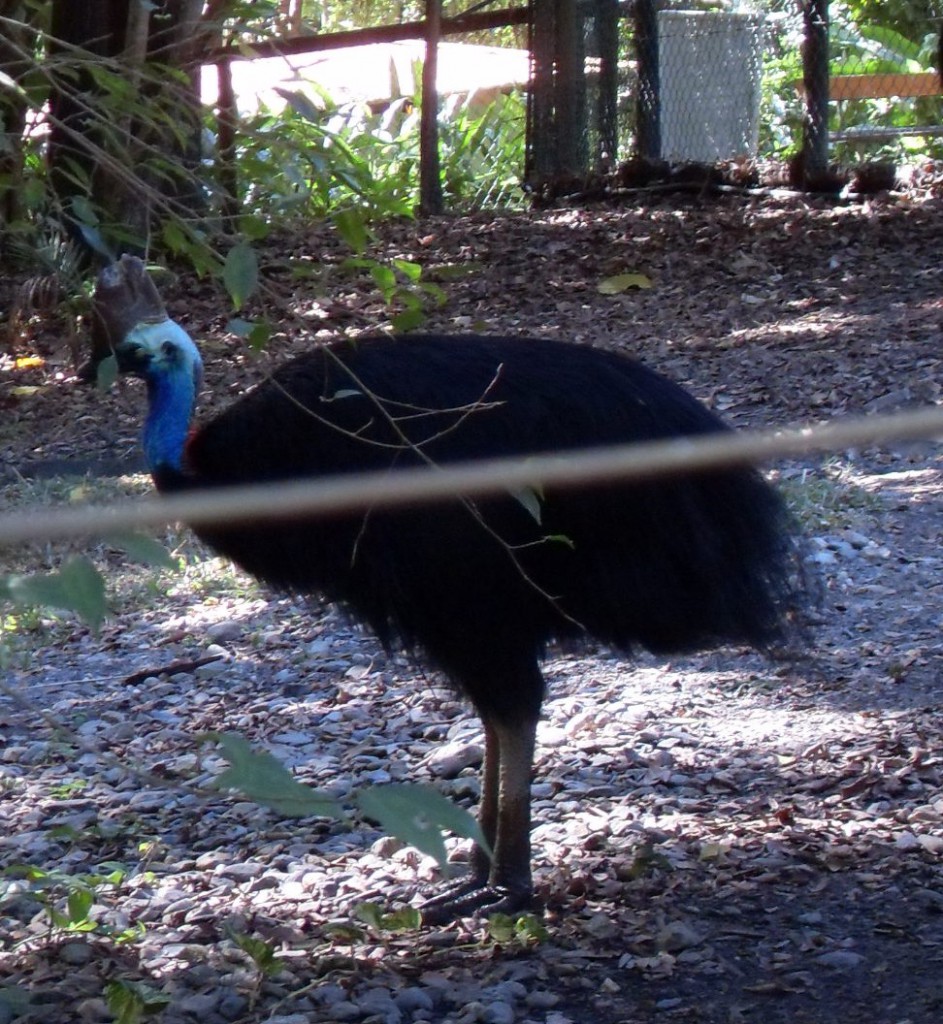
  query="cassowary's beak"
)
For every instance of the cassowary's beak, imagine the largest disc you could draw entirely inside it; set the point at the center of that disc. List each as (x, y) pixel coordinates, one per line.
(159, 349)
(136, 350)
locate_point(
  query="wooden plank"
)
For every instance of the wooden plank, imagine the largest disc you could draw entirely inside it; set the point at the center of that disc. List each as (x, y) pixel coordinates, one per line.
(867, 87)
(866, 134)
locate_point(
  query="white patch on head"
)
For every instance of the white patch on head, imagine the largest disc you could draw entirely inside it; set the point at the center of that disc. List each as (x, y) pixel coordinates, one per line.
(153, 337)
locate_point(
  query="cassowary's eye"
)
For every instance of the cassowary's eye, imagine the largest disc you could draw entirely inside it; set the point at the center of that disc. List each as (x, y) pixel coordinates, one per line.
(168, 348)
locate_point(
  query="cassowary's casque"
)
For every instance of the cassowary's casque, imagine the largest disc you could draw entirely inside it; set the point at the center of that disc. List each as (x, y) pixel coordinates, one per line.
(481, 587)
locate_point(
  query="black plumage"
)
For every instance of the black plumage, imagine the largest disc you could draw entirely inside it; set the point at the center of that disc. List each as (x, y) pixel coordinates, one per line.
(482, 586)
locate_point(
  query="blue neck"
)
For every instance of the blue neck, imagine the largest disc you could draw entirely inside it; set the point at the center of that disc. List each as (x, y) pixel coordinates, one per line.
(172, 398)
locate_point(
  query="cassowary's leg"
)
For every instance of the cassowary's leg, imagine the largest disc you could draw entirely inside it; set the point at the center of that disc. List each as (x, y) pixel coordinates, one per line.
(510, 869)
(503, 884)
(488, 806)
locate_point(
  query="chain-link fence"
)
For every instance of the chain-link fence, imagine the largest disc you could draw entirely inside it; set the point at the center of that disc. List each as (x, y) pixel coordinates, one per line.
(742, 80)
(884, 81)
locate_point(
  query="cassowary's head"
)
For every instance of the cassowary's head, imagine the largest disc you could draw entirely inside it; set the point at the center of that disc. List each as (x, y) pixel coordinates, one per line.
(164, 355)
(161, 352)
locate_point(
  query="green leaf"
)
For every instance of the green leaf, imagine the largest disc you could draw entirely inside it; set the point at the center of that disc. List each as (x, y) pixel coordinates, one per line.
(174, 237)
(342, 932)
(893, 46)
(263, 778)
(83, 211)
(623, 282)
(454, 271)
(67, 924)
(436, 293)
(257, 333)
(408, 320)
(241, 273)
(370, 913)
(380, 920)
(262, 953)
(417, 815)
(302, 105)
(144, 549)
(411, 271)
(77, 587)
(352, 227)
(385, 279)
(93, 239)
(526, 929)
(253, 227)
(80, 903)
(130, 1001)
(9, 84)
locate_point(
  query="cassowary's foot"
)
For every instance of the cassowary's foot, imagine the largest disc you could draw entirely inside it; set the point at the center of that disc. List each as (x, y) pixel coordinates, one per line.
(475, 897)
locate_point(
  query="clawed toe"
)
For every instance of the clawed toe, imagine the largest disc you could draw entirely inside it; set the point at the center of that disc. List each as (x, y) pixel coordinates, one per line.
(472, 898)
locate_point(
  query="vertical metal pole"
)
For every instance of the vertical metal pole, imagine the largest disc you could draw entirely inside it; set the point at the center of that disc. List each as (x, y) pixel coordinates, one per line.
(607, 30)
(569, 89)
(648, 113)
(541, 128)
(430, 178)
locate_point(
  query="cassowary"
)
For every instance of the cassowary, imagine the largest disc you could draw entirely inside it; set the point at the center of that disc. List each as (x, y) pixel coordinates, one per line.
(481, 587)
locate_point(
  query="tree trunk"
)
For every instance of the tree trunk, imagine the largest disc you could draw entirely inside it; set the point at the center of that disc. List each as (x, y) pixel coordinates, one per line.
(82, 35)
(15, 53)
(128, 157)
(814, 155)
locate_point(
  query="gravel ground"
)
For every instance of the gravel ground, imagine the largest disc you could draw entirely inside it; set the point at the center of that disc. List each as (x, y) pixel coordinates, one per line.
(717, 838)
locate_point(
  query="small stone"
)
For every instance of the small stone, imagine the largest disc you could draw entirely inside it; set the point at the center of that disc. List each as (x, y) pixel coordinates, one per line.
(220, 632)
(292, 738)
(199, 1004)
(341, 1012)
(508, 991)
(90, 1011)
(213, 669)
(76, 954)
(541, 999)
(600, 927)
(840, 959)
(378, 1001)
(330, 995)
(677, 936)
(472, 1012)
(550, 736)
(498, 1012)
(449, 759)
(414, 998)
(91, 726)
(233, 1005)
(906, 841)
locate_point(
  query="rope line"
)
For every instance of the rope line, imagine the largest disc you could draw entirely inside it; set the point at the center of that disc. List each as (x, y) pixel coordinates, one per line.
(323, 495)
